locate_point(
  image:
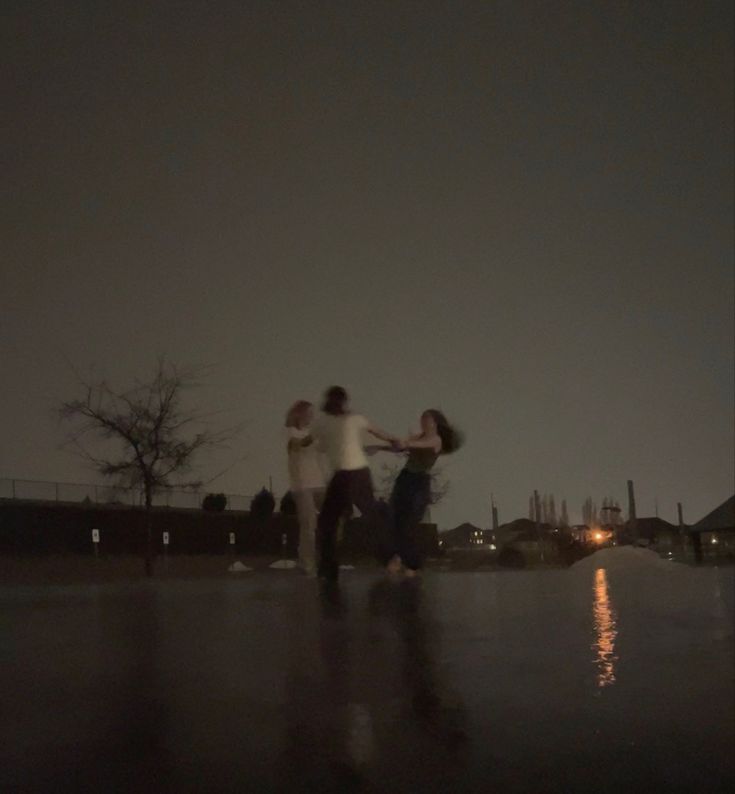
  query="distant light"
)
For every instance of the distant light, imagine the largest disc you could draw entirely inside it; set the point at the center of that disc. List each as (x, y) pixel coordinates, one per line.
(714, 539)
(598, 535)
(493, 547)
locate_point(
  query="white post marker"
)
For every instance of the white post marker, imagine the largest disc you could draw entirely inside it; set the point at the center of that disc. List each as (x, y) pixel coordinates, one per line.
(232, 538)
(96, 541)
(165, 550)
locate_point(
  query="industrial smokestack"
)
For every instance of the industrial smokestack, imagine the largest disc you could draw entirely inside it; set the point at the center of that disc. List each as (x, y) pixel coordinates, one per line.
(494, 509)
(681, 514)
(632, 518)
(631, 502)
(537, 510)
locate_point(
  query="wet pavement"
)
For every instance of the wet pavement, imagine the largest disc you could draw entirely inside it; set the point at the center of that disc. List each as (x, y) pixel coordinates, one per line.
(574, 680)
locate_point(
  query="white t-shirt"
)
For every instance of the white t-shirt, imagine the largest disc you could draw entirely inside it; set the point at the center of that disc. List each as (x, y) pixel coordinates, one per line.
(304, 466)
(340, 438)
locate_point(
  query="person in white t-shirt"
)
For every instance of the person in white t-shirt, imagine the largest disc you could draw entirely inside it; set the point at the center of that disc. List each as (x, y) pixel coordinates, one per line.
(339, 434)
(306, 478)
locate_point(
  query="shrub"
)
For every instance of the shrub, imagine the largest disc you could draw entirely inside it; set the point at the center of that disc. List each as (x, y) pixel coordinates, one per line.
(511, 558)
(288, 505)
(214, 502)
(263, 505)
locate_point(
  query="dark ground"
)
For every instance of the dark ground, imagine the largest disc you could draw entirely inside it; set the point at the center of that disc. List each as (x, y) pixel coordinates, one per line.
(507, 681)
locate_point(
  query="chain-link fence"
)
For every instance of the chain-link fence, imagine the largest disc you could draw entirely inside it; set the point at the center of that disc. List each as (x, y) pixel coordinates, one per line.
(72, 492)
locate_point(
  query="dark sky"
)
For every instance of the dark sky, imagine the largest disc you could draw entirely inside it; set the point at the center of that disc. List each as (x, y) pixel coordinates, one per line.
(518, 211)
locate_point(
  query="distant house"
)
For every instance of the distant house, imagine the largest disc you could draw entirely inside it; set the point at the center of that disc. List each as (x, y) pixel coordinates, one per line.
(467, 536)
(537, 542)
(654, 531)
(714, 535)
(522, 530)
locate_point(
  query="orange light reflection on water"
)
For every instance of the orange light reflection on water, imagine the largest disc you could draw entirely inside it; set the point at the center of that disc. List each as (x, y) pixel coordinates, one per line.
(605, 630)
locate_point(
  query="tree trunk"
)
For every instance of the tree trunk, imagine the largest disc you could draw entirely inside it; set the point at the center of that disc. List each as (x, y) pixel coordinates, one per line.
(149, 552)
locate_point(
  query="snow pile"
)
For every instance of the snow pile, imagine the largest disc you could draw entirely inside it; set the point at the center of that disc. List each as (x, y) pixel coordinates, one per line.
(283, 564)
(238, 567)
(616, 558)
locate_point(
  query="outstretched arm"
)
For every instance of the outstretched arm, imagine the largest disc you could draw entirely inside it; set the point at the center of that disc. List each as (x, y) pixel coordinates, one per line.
(371, 449)
(430, 442)
(382, 435)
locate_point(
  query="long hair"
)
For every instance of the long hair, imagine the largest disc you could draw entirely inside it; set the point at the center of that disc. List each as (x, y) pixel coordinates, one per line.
(452, 439)
(335, 400)
(295, 411)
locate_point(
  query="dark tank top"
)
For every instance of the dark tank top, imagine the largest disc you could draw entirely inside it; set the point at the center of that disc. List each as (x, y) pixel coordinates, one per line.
(420, 461)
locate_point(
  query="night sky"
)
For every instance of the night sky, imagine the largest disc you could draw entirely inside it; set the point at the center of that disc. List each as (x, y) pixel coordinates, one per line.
(520, 212)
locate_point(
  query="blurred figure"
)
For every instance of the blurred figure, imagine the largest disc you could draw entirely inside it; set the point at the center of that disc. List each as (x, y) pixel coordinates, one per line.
(411, 493)
(306, 479)
(339, 434)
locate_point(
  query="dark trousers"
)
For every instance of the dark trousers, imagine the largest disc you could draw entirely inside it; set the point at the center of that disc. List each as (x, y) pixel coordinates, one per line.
(346, 488)
(408, 502)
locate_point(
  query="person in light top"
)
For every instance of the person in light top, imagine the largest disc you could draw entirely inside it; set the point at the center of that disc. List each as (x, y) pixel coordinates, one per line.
(306, 479)
(339, 433)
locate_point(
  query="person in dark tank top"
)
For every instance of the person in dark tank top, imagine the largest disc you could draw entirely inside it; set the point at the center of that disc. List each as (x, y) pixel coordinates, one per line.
(411, 494)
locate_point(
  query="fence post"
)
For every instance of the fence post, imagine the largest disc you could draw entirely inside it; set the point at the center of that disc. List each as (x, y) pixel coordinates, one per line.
(13, 485)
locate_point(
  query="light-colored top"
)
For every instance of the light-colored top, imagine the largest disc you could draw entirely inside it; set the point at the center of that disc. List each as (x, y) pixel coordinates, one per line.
(304, 468)
(340, 438)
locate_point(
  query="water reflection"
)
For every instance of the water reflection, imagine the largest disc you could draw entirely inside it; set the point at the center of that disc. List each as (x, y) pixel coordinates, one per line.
(606, 631)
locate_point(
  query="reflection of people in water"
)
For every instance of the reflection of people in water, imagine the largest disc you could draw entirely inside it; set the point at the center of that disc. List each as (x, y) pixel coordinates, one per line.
(435, 710)
(316, 755)
(366, 703)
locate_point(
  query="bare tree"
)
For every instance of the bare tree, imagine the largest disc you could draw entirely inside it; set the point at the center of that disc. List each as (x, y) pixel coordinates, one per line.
(589, 512)
(157, 437)
(564, 517)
